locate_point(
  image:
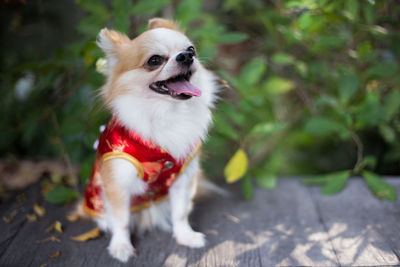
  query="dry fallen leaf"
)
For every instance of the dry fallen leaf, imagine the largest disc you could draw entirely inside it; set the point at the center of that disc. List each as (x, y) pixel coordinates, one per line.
(55, 254)
(231, 217)
(72, 217)
(43, 265)
(10, 217)
(32, 217)
(39, 210)
(92, 234)
(50, 238)
(55, 226)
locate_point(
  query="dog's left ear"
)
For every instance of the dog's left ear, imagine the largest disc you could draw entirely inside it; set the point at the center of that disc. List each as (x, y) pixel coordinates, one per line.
(162, 23)
(110, 42)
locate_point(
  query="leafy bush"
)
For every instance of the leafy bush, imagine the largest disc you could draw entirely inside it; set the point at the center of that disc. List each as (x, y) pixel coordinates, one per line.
(314, 85)
(319, 95)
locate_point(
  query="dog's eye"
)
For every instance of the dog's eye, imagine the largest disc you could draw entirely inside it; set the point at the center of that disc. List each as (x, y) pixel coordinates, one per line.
(191, 49)
(155, 60)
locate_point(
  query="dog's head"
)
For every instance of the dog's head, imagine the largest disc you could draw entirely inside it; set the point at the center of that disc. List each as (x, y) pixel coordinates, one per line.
(161, 62)
(157, 87)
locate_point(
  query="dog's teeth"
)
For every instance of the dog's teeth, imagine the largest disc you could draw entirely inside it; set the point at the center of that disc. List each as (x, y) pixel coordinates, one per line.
(163, 87)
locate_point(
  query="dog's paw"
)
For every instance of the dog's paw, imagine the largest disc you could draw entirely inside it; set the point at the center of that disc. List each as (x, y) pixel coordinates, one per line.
(191, 239)
(121, 251)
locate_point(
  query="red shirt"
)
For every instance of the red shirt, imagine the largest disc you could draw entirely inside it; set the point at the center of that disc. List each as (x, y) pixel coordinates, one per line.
(153, 164)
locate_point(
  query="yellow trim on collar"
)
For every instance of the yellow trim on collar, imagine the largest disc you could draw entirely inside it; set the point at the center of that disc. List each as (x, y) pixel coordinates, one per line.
(189, 159)
(126, 156)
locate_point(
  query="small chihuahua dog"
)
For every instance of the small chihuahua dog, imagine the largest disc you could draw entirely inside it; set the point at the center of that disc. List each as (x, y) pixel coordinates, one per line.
(147, 164)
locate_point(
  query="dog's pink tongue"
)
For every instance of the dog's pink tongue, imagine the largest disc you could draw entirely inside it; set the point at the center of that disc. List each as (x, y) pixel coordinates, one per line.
(183, 87)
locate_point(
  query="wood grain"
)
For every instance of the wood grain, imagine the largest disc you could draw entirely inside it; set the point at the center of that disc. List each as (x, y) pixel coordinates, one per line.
(292, 225)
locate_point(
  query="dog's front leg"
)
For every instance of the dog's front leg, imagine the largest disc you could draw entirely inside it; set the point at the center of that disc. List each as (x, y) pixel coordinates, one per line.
(120, 183)
(180, 195)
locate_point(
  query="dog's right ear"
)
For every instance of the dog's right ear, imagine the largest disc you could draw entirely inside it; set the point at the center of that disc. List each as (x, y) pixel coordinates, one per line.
(110, 42)
(162, 23)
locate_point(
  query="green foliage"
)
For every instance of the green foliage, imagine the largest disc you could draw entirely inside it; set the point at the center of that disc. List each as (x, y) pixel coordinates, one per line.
(247, 188)
(331, 80)
(332, 183)
(380, 187)
(314, 85)
(61, 194)
(335, 183)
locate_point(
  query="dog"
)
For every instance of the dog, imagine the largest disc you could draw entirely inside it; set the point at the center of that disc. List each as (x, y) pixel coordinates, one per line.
(147, 163)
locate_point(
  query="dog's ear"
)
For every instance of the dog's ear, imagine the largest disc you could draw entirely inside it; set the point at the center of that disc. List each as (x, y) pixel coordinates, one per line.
(110, 42)
(162, 23)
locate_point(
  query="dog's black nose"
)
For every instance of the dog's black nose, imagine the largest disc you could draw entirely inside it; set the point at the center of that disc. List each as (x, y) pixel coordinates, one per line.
(185, 58)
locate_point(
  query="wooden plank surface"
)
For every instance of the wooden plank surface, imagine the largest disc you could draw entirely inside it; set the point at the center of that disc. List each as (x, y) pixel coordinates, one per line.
(363, 230)
(292, 225)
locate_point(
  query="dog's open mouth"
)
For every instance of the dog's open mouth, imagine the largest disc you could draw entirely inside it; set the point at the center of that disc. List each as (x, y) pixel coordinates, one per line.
(178, 87)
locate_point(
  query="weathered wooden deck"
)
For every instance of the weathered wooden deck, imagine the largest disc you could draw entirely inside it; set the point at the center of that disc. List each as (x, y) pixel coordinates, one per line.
(291, 226)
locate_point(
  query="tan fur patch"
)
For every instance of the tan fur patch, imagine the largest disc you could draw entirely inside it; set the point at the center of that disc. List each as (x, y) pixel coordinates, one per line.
(130, 56)
(162, 23)
(112, 190)
(116, 38)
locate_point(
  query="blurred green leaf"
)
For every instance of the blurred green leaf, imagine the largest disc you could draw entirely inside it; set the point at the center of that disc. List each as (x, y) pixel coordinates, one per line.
(352, 8)
(387, 132)
(336, 182)
(364, 49)
(368, 161)
(230, 111)
(247, 188)
(232, 38)
(369, 12)
(94, 7)
(305, 20)
(301, 68)
(382, 70)
(278, 85)
(392, 102)
(282, 59)
(328, 42)
(326, 100)
(348, 85)
(121, 9)
(322, 126)
(236, 166)
(253, 71)
(61, 195)
(268, 181)
(316, 180)
(369, 112)
(268, 128)
(187, 11)
(86, 169)
(380, 187)
(222, 126)
(92, 25)
(148, 7)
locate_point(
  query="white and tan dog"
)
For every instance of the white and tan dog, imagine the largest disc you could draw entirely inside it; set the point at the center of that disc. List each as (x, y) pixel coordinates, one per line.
(160, 96)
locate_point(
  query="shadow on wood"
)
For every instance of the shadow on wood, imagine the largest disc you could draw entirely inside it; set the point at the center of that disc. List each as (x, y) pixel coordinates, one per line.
(292, 225)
